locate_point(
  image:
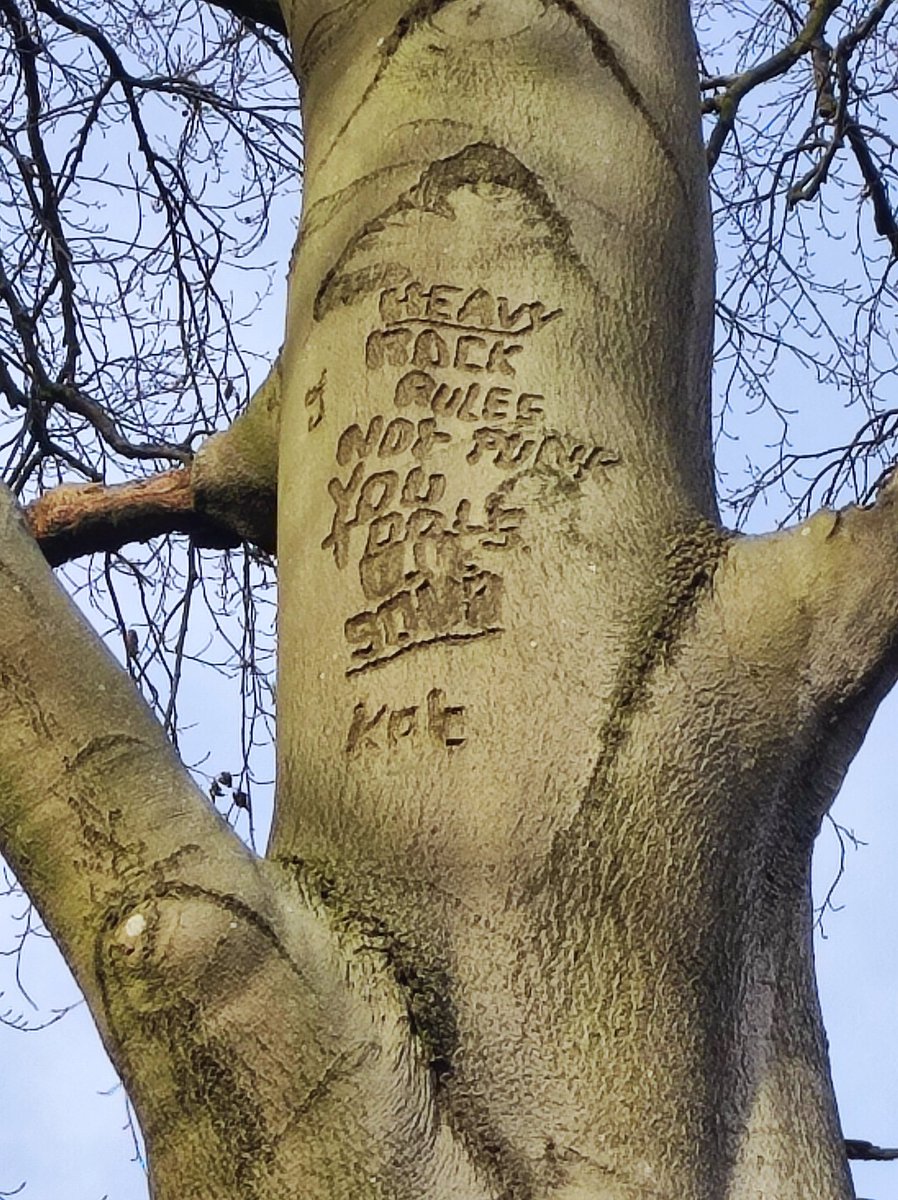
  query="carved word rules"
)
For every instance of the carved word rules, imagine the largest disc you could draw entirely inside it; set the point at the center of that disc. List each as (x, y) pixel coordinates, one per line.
(422, 534)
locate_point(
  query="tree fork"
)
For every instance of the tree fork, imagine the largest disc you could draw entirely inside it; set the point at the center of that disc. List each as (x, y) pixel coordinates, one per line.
(237, 1012)
(534, 732)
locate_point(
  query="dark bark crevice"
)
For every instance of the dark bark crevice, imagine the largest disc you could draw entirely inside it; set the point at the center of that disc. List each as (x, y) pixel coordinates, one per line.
(692, 564)
(604, 54)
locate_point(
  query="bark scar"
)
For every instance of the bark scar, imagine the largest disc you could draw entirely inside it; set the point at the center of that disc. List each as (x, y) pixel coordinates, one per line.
(601, 49)
(406, 25)
(477, 163)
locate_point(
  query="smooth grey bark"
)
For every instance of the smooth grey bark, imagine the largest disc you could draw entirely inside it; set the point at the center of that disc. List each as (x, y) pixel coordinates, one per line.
(553, 745)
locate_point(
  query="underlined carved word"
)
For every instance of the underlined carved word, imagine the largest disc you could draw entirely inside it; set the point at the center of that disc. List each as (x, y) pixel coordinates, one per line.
(386, 728)
(446, 304)
(429, 609)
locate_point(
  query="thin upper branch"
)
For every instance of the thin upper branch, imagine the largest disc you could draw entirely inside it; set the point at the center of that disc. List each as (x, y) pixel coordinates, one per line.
(883, 215)
(860, 1151)
(737, 87)
(151, 241)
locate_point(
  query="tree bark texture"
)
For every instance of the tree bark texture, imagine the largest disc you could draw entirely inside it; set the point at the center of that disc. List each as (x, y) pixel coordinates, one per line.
(520, 728)
(554, 746)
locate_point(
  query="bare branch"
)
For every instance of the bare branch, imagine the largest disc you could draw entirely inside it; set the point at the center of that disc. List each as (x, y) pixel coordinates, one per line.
(123, 340)
(739, 86)
(864, 28)
(883, 214)
(860, 1151)
(257, 12)
(77, 519)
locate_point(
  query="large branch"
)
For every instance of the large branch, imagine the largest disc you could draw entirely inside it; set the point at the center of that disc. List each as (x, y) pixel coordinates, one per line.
(818, 603)
(77, 519)
(92, 796)
(188, 948)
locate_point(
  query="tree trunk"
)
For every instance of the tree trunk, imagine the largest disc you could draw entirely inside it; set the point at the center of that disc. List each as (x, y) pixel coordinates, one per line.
(521, 734)
(553, 745)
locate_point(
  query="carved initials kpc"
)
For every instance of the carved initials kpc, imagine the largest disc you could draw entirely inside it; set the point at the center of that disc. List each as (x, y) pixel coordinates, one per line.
(386, 728)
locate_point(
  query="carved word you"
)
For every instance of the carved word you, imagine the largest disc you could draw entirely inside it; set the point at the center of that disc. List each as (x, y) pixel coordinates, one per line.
(368, 497)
